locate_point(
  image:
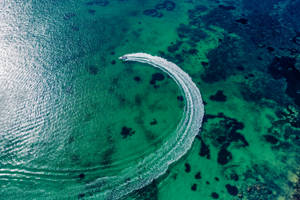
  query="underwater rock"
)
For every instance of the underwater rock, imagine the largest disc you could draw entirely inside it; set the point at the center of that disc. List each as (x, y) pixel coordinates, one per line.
(127, 132)
(224, 156)
(204, 150)
(187, 167)
(156, 77)
(215, 195)
(137, 78)
(153, 122)
(174, 47)
(81, 195)
(113, 62)
(204, 64)
(194, 187)
(271, 139)
(242, 21)
(270, 49)
(219, 96)
(180, 98)
(234, 176)
(232, 190)
(81, 176)
(198, 175)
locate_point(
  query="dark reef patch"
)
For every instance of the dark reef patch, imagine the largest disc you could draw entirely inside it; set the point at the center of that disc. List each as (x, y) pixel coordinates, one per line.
(194, 187)
(198, 175)
(224, 156)
(224, 60)
(231, 189)
(137, 78)
(262, 87)
(242, 21)
(174, 47)
(187, 167)
(153, 122)
(81, 176)
(224, 131)
(271, 139)
(81, 195)
(193, 34)
(227, 130)
(234, 176)
(219, 96)
(284, 67)
(127, 132)
(204, 149)
(215, 195)
(180, 98)
(156, 77)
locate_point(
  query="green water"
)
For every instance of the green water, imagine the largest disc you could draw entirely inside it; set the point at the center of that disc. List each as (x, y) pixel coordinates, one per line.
(65, 98)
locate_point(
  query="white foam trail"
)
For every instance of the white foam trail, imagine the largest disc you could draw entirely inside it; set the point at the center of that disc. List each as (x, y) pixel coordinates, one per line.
(180, 142)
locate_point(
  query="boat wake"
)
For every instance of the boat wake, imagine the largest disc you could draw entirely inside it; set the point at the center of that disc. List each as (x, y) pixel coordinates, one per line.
(132, 178)
(180, 142)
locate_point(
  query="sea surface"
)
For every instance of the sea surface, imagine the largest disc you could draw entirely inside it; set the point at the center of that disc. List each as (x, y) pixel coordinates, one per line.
(74, 118)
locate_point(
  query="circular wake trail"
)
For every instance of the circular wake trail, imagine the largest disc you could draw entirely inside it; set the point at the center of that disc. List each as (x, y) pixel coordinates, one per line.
(116, 186)
(157, 163)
